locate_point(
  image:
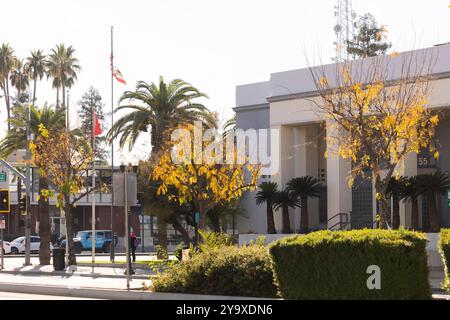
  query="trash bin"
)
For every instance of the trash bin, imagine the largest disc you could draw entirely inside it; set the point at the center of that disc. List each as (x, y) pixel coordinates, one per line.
(59, 263)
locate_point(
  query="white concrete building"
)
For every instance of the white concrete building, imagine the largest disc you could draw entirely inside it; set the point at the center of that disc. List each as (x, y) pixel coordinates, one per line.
(284, 103)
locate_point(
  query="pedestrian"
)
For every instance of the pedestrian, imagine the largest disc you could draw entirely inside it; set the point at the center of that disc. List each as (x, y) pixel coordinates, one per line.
(133, 245)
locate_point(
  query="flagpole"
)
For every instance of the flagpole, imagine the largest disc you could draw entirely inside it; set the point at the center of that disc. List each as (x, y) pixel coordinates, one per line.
(93, 182)
(113, 244)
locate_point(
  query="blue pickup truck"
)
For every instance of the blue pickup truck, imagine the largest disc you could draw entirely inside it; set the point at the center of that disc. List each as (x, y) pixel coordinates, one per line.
(83, 241)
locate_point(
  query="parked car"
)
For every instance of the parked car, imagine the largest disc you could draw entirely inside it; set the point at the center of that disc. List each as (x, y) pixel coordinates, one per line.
(83, 241)
(18, 245)
(6, 247)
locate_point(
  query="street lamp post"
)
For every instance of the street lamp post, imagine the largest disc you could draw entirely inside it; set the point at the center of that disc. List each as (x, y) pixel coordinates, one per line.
(129, 271)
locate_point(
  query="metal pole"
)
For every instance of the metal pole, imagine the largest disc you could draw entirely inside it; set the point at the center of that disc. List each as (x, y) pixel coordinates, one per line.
(142, 230)
(127, 229)
(93, 184)
(1, 245)
(28, 192)
(113, 244)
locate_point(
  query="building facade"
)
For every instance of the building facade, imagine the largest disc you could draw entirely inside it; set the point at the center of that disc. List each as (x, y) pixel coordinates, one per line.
(286, 105)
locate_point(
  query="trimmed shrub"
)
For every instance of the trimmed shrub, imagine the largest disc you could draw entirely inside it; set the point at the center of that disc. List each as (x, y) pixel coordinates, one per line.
(444, 249)
(334, 265)
(229, 271)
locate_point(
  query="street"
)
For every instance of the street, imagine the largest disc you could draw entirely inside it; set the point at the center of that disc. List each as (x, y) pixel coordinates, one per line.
(24, 296)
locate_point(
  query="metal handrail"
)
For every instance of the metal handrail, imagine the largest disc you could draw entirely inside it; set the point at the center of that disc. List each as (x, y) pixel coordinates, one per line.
(342, 224)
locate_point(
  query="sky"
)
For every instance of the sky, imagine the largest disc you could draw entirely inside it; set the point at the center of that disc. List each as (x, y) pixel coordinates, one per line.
(214, 45)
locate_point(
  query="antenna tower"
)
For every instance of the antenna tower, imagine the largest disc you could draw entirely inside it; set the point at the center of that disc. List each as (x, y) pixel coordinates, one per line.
(344, 28)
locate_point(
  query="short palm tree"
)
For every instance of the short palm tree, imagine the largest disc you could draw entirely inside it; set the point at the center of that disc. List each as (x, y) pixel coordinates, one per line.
(410, 192)
(284, 200)
(266, 194)
(433, 185)
(16, 139)
(63, 67)
(7, 59)
(305, 188)
(393, 190)
(161, 106)
(36, 68)
(19, 78)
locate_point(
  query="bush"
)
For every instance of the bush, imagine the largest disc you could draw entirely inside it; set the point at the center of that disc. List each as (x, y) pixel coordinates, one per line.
(229, 271)
(161, 253)
(178, 253)
(444, 249)
(333, 265)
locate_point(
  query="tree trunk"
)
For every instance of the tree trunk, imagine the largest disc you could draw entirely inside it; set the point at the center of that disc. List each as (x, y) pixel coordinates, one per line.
(177, 226)
(304, 219)
(415, 214)
(385, 212)
(57, 97)
(69, 226)
(270, 220)
(44, 225)
(434, 218)
(395, 212)
(34, 92)
(8, 109)
(63, 95)
(286, 220)
(162, 232)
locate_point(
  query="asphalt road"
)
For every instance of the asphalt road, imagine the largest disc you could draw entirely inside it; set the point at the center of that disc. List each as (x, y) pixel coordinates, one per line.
(24, 296)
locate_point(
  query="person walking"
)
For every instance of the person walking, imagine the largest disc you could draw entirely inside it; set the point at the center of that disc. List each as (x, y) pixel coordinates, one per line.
(133, 245)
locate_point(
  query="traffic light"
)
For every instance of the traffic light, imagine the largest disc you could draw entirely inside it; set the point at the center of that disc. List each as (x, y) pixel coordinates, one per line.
(23, 204)
(4, 201)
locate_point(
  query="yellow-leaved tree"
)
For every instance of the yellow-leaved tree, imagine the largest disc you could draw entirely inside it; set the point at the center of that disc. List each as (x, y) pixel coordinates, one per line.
(64, 159)
(377, 114)
(204, 178)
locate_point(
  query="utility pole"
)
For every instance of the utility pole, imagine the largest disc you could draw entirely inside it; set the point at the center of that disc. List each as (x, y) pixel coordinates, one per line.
(113, 244)
(28, 189)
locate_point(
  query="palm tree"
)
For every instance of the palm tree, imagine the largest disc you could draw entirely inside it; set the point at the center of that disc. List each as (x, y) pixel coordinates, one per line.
(36, 68)
(16, 139)
(304, 188)
(393, 190)
(161, 106)
(432, 185)
(410, 192)
(6, 65)
(19, 78)
(266, 194)
(63, 67)
(284, 200)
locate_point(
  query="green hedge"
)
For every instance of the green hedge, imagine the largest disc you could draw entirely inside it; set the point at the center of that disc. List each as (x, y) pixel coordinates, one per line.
(444, 249)
(333, 265)
(227, 271)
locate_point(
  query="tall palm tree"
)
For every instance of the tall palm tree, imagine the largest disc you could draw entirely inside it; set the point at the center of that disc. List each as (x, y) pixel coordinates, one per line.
(7, 59)
(284, 200)
(394, 190)
(36, 68)
(161, 106)
(304, 188)
(410, 192)
(19, 78)
(16, 139)
(266, 194)
(63, 67)
(432, 185)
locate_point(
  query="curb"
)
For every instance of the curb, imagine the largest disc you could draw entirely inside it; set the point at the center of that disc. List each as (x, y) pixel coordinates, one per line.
(90, 275)
(108, 294)
(113, 265)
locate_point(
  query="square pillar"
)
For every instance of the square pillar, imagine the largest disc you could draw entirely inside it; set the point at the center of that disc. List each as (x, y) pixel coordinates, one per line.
(338, 191)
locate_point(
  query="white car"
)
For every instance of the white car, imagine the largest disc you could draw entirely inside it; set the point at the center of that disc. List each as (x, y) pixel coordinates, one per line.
(6, 247)
(18, 245)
